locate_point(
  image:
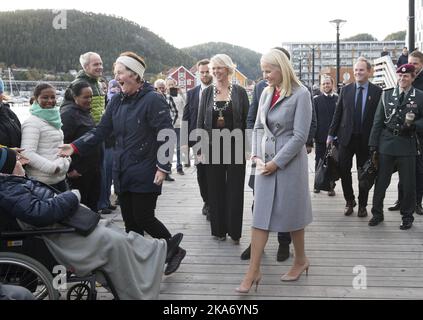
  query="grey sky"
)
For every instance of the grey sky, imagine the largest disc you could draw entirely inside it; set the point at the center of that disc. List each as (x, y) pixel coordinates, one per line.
(257, 25)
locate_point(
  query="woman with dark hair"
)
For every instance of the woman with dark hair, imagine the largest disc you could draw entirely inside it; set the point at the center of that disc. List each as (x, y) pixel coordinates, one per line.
(135, 117)
(41, 138)
(84, 171)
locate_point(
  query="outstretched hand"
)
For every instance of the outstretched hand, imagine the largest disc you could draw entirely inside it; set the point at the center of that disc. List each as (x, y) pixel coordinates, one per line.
(65, 150)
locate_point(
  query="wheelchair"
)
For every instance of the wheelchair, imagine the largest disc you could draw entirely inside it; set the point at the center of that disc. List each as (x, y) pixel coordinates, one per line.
(26, 261)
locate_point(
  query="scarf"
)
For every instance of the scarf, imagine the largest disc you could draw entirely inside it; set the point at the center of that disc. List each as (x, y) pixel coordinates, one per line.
(52, 115)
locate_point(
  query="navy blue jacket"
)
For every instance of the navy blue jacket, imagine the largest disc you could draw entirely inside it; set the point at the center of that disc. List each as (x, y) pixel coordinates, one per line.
(325, 108)
(191, 110)
(252, 112)
(135, 122)
(33, 202)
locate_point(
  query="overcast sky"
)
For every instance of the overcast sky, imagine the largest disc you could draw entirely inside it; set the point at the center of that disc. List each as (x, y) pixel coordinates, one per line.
(258, 25)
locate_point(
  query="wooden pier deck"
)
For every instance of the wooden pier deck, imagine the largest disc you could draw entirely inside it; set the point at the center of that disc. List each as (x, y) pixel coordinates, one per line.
(335, 244)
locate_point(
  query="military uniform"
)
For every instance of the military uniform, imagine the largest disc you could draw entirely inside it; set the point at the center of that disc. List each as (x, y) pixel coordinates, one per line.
(397, 145)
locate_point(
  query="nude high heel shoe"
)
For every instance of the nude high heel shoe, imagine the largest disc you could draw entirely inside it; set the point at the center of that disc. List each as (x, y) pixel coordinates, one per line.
(287, 277)
(256, 281)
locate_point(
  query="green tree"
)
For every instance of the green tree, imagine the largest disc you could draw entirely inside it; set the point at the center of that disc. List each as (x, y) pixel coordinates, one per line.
(361, 37)
(398, 36)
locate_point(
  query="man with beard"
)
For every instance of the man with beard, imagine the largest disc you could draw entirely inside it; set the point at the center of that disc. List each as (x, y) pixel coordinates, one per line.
(189, 119)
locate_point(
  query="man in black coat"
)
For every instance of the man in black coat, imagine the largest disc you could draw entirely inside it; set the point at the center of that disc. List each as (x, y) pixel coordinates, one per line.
(416, 59)
(190, 120)
(352, 123)
(324, 106)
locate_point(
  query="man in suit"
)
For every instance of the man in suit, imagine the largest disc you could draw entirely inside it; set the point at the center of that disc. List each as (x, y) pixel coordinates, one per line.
(190, 119)
(393, 143)
(352, 123)
(324, 106)
(416, 59)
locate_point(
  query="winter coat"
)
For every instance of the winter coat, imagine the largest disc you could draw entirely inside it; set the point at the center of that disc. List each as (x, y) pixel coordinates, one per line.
(136, 122)
(34, 203)
(76, 122)
(282, 200)
(10, 127)
(41, 142)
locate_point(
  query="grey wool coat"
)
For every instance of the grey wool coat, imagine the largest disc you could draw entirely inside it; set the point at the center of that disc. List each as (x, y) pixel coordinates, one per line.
(282, 200)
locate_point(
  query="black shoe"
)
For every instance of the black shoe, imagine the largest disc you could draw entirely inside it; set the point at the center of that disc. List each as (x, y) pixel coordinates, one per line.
(112, 207)
(395, 207)
(331, 193)
(173, 246)
(283, 252)
(362, 212)
(316, 191)
(205, 210)
(169, 178)
(405, 225)
(375, 220)
(105, 211)
(175, 262)
(246, 254)
(349, 208)
(181, 172)
(419, 209)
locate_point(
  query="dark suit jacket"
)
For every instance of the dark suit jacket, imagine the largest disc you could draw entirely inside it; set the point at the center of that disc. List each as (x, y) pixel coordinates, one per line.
(191, 110)
(418, 82)
(325, 108)
(342, 123)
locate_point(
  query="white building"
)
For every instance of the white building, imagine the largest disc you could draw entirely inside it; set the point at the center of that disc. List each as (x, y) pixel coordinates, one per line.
(325, 54)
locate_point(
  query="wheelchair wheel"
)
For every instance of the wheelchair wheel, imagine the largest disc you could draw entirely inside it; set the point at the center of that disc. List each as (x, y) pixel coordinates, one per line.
(21, 270)
(80, 291)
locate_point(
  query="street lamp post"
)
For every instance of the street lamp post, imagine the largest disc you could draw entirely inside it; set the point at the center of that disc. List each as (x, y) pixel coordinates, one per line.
(411, 26)
(338, 23)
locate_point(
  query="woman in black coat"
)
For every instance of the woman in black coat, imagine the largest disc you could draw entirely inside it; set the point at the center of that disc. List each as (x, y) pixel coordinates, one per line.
(10, 127)
(224, 107)
(84, 171)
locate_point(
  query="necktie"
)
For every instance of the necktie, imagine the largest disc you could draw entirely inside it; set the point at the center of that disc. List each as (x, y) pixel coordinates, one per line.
(358, 111)
(401, 98)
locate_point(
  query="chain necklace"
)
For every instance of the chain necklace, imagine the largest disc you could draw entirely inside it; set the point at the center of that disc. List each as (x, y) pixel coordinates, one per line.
(221, 118)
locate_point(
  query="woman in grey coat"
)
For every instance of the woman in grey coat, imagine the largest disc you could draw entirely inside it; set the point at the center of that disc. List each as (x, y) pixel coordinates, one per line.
(282, 197)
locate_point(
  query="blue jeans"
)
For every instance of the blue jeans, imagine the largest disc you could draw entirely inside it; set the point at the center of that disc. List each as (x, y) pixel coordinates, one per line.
(106, 179)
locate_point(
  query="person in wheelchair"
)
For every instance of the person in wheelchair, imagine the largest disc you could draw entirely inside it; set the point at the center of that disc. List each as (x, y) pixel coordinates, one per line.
(133, 263)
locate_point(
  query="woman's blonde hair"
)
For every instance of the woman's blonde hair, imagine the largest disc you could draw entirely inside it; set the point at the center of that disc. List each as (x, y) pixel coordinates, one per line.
(278, 59)
(223, 60)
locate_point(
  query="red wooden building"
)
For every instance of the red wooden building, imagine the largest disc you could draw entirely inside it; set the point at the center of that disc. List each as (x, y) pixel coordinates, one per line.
(184, 78)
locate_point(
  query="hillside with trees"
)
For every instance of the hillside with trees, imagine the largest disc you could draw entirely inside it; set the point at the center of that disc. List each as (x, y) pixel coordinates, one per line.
(247, 61)
(28, 39)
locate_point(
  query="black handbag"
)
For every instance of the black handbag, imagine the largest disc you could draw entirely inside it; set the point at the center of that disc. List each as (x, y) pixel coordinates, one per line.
(322, 177)
(367, 175)
(84, 220)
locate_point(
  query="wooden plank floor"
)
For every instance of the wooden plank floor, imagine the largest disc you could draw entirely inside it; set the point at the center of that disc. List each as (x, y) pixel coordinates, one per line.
(335, 244)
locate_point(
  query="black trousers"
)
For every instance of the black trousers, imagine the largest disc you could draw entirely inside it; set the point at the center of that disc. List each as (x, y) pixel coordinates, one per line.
(346, 154)
(138, 214)
(226, 198)
(419, 182)
(202, 182)
(407, 173)
(320, 152)
(89, 185)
